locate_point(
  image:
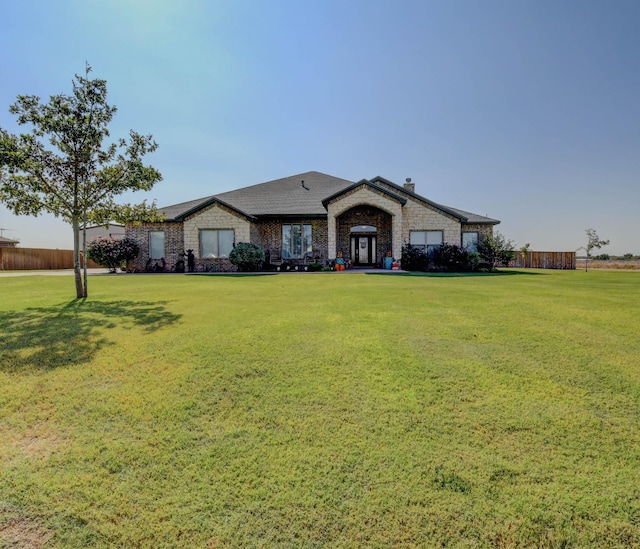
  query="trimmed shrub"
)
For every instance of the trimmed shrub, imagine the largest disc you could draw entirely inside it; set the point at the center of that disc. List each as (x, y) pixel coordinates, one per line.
(449, 257)
(446, 257)
(247, 256)
(112, 253)
(414, 258)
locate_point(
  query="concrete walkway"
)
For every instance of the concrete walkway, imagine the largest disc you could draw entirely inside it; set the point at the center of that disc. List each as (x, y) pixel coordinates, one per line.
(51, 272)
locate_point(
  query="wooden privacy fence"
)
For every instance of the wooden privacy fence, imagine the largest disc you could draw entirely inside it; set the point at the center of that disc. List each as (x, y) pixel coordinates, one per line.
(544, 260)
(26, 259)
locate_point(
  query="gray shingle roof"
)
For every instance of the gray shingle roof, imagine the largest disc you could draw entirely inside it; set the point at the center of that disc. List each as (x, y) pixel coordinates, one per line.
(288, 197)
(474, 218)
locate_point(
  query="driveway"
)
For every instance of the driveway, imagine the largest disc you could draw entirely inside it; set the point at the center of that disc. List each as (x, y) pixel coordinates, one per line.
(51, 272)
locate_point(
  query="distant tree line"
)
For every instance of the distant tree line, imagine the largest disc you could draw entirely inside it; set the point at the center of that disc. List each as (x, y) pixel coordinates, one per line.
(608, 257)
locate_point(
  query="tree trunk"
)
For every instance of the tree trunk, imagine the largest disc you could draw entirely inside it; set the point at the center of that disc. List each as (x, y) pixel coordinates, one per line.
(80, 290)
(84, 254)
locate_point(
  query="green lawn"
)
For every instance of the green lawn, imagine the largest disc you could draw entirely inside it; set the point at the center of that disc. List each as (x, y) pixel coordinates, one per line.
(321, 410)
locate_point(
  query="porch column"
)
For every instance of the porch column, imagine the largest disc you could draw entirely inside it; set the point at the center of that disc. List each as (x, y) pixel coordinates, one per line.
(396, 237)
(332, 240)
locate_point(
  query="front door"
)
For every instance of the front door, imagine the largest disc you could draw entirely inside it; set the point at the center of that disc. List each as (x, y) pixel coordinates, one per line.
(363, 250)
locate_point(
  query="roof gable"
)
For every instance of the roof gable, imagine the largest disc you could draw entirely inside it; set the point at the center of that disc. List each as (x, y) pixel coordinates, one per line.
(210, 202)
(403, 190)
(367, 183)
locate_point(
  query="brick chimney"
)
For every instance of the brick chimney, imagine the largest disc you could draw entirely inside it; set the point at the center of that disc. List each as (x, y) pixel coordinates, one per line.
(411, 187)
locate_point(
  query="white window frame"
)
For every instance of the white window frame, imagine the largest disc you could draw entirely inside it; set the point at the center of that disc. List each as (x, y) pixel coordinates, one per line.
(426, 240)
(293, 248)
(216, 243)
(155, 237)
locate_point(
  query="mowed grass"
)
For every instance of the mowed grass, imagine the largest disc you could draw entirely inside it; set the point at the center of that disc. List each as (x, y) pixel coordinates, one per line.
(321, 410)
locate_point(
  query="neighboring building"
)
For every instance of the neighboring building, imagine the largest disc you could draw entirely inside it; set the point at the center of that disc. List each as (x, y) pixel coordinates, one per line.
(8, 243)
(308, 217)
(110, 230)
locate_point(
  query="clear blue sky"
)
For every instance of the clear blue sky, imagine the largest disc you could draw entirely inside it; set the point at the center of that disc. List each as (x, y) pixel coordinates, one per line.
(523, 110)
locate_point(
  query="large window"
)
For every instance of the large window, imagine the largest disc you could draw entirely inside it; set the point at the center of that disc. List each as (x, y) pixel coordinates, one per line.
(156, 244)
(470, 241)
(426, 240)
(216, 243)
(296, 241)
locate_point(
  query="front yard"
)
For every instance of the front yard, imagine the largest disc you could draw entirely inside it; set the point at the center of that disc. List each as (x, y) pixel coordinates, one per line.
(321, 410)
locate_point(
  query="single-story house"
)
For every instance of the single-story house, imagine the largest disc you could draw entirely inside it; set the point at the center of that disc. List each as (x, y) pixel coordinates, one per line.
(110, 230)
(310, 217)
(8, 243)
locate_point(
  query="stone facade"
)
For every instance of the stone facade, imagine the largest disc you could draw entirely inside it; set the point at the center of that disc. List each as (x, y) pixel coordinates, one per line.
(364, 196)
(423, 217)
(216, 216)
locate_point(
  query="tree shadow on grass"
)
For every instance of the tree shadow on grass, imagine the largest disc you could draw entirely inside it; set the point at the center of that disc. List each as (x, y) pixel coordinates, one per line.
(69, 334)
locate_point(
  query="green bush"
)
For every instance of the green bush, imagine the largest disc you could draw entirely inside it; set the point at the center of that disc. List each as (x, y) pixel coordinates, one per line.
(452, 258)
(495, 249)
(446, 257)
(414, 258)
(112, 253)
(247, 256)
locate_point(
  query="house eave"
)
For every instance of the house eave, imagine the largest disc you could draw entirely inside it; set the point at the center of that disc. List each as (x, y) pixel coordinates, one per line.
(293, 216)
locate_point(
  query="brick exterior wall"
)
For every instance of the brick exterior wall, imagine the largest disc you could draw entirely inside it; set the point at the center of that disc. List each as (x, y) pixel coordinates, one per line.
(270, 236)
(173, 242)
(481, 228)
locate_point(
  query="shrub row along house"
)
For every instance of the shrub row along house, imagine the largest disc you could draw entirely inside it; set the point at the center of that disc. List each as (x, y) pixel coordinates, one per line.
(305, 218)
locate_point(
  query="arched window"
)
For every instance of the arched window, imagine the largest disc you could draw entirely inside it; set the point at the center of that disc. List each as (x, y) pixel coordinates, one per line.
(364, 229)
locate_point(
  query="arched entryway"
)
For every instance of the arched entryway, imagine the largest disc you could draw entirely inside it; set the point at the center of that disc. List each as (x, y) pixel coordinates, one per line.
(364, 235)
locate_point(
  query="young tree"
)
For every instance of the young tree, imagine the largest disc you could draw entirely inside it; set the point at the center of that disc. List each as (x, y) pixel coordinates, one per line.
(78, 176)
(495, 249)
(593, 243)
(524, 254)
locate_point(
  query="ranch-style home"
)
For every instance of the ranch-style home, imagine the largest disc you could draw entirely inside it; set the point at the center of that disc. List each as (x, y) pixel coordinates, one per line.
(305, 218)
